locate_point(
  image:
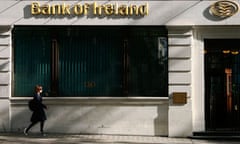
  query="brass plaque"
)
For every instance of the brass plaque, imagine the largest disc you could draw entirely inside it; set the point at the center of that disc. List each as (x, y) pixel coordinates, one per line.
(179, 97)
(224, 8)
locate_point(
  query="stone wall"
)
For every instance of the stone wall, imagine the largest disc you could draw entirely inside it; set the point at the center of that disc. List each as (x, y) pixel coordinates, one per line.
(5, 77)
(180, 76)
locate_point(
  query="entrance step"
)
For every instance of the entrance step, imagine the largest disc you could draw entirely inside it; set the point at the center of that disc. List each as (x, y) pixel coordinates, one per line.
(216, 135)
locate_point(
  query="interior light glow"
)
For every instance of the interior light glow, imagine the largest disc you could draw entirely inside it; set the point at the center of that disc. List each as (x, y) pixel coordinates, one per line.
(235, 52)
(205, 51)
(226, 51)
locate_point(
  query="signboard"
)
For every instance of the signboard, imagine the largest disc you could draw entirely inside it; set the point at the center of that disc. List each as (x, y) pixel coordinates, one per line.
(94, 8)
(179, 97)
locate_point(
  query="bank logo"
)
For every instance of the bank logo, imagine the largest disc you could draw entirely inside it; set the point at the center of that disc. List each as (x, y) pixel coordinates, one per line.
(224, 8)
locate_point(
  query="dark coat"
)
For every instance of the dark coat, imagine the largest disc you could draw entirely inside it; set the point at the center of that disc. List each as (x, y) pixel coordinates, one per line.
(38, 111)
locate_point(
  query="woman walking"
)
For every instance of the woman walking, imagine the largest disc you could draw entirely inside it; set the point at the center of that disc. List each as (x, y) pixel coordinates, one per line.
(38, 114)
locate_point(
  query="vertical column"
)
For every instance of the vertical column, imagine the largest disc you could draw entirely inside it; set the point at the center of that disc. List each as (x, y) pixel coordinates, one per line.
(5, 77)
(180, 115)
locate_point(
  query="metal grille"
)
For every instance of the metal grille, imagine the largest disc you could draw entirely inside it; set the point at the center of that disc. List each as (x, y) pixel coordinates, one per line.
(90, 63)
(32, 62)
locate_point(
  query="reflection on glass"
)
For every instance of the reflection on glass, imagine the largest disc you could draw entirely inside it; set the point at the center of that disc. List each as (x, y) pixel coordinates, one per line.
(228, 73)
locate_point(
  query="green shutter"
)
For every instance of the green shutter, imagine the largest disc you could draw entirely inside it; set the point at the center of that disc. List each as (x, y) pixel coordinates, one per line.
(32, 61)
(147, 50)
(90, 63)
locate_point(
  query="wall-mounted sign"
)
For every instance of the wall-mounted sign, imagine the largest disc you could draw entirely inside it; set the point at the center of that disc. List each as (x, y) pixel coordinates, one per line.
(179, 98)
(224, 8)
(90, 8)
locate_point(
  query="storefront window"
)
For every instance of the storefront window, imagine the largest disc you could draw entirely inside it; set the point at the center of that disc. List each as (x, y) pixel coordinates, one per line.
(91, 61)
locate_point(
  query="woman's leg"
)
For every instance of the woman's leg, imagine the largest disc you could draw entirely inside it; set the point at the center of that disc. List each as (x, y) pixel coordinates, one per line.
(41, 126)
(29, 127)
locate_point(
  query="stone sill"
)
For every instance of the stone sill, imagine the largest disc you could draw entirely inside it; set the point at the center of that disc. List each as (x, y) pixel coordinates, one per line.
(95, 100)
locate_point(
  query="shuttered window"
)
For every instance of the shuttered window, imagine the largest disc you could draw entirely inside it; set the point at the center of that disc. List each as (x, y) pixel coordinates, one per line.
(147, 63)
(90, 61)
(31, 61)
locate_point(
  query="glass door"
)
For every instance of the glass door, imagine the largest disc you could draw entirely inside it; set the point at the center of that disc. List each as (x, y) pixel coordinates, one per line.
(222, 84)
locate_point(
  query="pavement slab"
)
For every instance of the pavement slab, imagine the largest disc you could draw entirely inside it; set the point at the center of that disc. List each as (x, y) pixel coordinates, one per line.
(16, 138)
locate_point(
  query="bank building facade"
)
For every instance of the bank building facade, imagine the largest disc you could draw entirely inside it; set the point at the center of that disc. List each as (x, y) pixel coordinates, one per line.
(157, 68)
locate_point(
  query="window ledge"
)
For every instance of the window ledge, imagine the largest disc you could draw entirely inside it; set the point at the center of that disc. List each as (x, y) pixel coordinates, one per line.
(96, 100)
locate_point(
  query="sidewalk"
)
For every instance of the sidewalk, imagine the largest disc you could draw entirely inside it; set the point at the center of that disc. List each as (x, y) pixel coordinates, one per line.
(101, 139)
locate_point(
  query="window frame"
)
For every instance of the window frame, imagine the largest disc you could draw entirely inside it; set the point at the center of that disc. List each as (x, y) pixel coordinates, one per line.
(55, 67)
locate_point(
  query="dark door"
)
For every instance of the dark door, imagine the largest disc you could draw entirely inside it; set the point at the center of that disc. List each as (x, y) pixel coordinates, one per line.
(222, 84)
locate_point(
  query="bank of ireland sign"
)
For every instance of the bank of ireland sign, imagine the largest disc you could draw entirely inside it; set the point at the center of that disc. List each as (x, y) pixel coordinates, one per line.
(224, 8)
(90, 8)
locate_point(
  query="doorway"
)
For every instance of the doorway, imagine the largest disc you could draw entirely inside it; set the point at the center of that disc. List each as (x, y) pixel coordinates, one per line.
(222, 84)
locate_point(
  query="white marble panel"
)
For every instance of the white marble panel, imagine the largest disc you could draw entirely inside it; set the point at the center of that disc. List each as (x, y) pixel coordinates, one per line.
(4, 78)
(97, 119)
(180, 78)
(179, 51)
(4, 64)
(4, 115)
(4, 91)
(4, 51)
(179, 65)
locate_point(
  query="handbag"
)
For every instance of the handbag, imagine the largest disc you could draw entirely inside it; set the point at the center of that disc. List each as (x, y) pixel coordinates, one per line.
(32, 105)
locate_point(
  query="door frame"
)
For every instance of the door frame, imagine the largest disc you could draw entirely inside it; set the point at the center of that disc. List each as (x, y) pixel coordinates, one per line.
(198, 90)
(223, 116)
